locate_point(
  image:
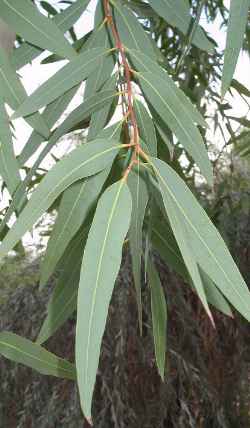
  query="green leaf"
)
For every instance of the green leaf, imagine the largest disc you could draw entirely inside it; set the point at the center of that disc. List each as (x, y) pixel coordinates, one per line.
(235, 35)
(82, 112)
(21, 350)
(100, 118)
(164, 242)
(146, 127)
(86, 160)
(176, 13)
(9, 169)
(143, 63)
(159, 317)
(19, 198)
(100, 38)
(214, 296)
(76, 203)
(139, 193)
(166, 103)
(239, 87)
(100, 266)
(51, 114)
(14, 93)
(25, 19)
(130, 30)
(64, 21)
(198, 233)
(63, 301)
(68, 76)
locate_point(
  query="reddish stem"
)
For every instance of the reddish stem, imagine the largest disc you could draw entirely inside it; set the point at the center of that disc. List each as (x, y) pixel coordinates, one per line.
(127, 74)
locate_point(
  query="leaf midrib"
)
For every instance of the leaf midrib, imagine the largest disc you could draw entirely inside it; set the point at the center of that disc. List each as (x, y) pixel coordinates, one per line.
(195, 230)
(97, 277)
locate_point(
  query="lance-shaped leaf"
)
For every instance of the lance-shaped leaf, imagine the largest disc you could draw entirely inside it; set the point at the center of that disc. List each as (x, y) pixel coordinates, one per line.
(100, 38)
(64, 21)
(100, 266)
(28, 22)
(201, 236)
(82, 112)
(13, 92)
(68, 76)
(235, 35)
(166, 103)
(21, 350)
(76, 203)
(176, 13)
(130, 30)
(143, 63)
(159, 317)
(82, 162)
(138, 190)
(9, 169)
(164, 242)
(51, 114)
(99, 118)
(77, 118)
(146, 127)
(63, 301)
(112, 132)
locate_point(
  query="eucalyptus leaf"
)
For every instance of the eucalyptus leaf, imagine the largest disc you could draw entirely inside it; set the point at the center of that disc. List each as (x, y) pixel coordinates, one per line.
(28, 22)
(68, 76)
(21, 350)
(159, 317)
(235, 34)
(100, 266)
(202, 238)
(80, 163)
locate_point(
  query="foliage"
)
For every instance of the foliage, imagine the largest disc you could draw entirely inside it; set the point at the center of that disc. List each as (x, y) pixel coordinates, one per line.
(141, 59)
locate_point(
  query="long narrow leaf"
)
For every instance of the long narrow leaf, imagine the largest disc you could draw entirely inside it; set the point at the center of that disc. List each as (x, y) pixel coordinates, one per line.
(70, 75)
(82, 162)
(207, 246)
(28, 22)
(21, 350)
(100, 265)
(235, 34)
(159, 317)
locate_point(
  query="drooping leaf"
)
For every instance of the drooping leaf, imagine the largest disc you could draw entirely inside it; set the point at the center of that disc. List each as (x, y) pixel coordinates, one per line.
(82, 112)
(138, 190)
(64, 21)
(146, 127)
(28, 22)
(51, 114)
(68, 76)
(176, 13)
(235, 34)
(100, 265)
(63, 301)
(159, 317)
(214, 296)
(13, 93)
(100, 38)
(21, 350)
(166, 103)
(143, 62)
(75, 206)
(164, 242)
(86, 160)
(200, 235)
(130, 30)
(112, 132)
(9, 169)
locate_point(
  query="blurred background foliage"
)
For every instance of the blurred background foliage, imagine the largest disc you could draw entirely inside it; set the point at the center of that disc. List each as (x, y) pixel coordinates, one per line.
(207, 382)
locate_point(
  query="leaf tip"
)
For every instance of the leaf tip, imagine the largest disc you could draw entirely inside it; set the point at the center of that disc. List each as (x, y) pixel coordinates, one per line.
(90, 421)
